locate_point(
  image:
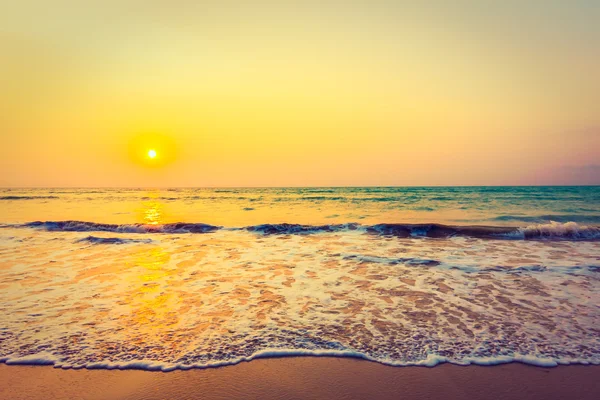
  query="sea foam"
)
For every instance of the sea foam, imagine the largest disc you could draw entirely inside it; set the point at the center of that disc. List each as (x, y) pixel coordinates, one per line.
(431, 360)
(162, 301)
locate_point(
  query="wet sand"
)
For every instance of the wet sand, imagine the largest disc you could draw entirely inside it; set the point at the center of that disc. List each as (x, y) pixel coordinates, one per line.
(305, 378)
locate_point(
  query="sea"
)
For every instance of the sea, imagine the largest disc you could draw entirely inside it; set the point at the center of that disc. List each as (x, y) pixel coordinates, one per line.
(164, 279)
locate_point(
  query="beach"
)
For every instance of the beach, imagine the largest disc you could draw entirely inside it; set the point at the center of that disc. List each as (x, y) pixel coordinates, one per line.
(305, 378)
(299, 200)
(265, 293)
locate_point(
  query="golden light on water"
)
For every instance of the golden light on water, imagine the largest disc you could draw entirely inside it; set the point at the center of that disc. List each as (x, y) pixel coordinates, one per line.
(151, 304)
(152, 213)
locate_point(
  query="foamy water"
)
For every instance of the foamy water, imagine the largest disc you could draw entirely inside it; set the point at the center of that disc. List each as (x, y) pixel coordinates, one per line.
(143, 283)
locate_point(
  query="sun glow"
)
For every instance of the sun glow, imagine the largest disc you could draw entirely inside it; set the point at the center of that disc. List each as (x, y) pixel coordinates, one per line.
(151, 150)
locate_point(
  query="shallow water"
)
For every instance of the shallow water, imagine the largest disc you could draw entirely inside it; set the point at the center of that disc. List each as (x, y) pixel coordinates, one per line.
(142, 293)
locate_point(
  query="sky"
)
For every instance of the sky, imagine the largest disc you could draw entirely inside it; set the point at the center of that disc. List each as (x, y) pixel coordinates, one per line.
(283, 93)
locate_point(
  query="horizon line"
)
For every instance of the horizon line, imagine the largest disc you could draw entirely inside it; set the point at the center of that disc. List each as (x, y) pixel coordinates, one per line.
(291, 187)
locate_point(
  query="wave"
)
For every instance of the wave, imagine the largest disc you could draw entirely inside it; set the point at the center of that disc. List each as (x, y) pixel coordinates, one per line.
(81, 226)
(431, 360)
(286, 229)
(112, 240)
(556, 230)
(323, 198)
(411, 261)
(440, 231)
(441, 264)
(552, 230)
(548, 231)
(27, 197)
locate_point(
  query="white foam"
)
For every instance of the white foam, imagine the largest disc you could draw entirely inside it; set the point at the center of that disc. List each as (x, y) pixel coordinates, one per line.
(198, 301)
(557, 230)
(43, 358)
(431, 360)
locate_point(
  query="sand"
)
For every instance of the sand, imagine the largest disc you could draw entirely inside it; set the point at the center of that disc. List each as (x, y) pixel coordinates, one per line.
(305, 378)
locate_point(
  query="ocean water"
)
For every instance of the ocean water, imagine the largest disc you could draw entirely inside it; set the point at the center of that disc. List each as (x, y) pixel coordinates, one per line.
(183, 278)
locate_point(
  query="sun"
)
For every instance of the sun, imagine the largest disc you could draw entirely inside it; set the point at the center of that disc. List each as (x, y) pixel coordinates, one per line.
(152, 153)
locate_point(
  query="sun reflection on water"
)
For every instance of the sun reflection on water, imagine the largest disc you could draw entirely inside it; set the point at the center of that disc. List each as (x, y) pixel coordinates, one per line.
(150, 299)
(151, 212)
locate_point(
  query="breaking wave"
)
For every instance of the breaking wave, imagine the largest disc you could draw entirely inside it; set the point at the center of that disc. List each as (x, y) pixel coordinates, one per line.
(287, 229)
(556, 230)
(112, 240)
(549, 231)
(81, 226)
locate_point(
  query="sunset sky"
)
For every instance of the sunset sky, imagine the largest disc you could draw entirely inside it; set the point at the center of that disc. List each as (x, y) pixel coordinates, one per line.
(229, 93)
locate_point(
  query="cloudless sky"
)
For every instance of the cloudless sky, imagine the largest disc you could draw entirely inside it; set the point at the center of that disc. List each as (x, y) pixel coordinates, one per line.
(277, 93)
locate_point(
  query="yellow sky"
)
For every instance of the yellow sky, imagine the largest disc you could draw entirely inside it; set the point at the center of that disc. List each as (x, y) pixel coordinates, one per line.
(299, 93)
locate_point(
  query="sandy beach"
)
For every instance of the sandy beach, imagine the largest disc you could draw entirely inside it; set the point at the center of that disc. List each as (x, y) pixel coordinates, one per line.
(305, 378)
(299, 200)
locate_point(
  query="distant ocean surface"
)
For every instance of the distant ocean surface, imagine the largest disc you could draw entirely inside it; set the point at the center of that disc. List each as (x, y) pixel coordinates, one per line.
(196, 277)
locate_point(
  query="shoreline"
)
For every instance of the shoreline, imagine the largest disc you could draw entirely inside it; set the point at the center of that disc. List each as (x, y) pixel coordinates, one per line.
(430, 362)
(303, 377)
